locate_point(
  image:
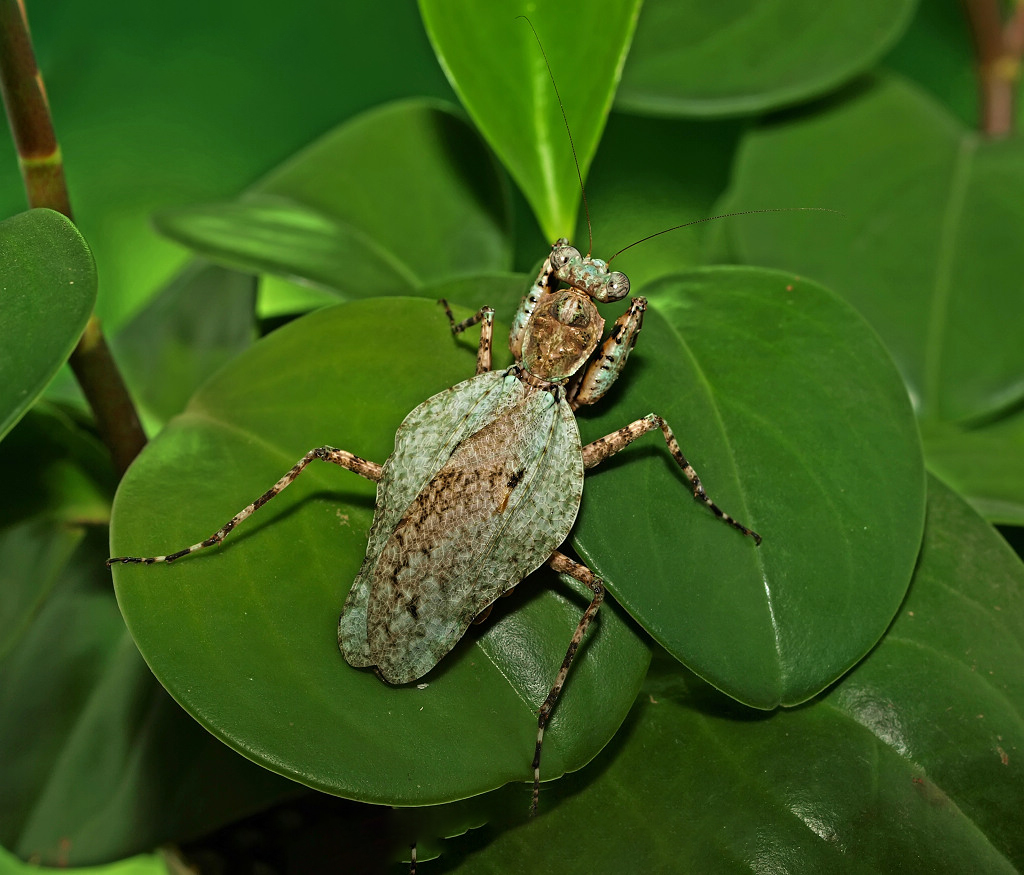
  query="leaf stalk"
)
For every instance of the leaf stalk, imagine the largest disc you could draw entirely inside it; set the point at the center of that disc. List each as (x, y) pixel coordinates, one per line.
(42, 170)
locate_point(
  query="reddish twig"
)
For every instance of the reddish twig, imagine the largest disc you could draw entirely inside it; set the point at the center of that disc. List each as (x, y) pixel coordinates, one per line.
(42, 169)
(1000, 47)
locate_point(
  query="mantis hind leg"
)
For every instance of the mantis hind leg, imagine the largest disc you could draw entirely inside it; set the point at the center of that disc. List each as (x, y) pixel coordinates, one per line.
(564, 565)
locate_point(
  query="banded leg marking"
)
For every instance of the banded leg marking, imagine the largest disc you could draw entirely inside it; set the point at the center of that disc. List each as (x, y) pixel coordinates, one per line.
(601, 449)
(483, 351)
(564, 565)
(605, 367)
(362, 467)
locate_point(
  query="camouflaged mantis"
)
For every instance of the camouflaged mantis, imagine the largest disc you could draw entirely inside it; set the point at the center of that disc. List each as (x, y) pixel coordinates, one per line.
(486, 480)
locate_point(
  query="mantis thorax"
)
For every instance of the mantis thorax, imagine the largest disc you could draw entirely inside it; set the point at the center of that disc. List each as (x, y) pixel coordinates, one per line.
(565, 326)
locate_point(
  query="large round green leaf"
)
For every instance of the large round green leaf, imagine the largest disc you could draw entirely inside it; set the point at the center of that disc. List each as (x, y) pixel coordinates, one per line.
(498, 71)
(928, 249)
(400, 196)
(695, 58)
(47, 292)
(244, 636)
(793, 415)
(912, 763)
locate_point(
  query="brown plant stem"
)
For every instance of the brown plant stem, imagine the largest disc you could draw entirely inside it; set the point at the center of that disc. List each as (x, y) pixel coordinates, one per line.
(42, 169)
(999, 46)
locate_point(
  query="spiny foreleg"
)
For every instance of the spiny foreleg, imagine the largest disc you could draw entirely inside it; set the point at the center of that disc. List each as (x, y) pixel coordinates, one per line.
(604, 367)
(545, 283)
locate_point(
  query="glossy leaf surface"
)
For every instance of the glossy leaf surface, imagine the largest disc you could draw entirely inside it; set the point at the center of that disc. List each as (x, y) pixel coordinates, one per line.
(400, 196)
(926, 250)
(796, 421)
(244, 636)
(47, 291)
(692, 58)
(911, 763)
(509, 95)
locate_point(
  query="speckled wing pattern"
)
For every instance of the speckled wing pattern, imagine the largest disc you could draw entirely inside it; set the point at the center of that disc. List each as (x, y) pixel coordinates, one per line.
(485, 482)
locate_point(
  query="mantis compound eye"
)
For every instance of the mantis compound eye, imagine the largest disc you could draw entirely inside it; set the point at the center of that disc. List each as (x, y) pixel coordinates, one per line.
(564, 255)
(616, 288)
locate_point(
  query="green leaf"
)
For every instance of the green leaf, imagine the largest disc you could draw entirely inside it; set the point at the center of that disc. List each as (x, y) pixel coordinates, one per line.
(651, 175)
(796, 421)
(54, 468)
(502, 291)
(402, 195)
(143, 864)
(98, 758)
(278, 297)
(911, 764)
(937, 52)
(926, 250)
(496, 67)
(698, 59)
(244, 636)
(984, 465)
(47, 292)
(197, 323)
(276, 235)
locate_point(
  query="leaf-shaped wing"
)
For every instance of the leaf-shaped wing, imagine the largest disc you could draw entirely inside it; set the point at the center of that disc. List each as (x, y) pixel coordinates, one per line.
(502, 501)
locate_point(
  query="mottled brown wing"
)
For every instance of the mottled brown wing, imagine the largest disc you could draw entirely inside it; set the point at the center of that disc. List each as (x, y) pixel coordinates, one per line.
(424, 443)
(504, 500)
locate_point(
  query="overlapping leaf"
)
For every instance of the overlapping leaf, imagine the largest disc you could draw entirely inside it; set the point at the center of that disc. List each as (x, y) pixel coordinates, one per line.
(88, 735)
(651, 175)
(199, 321)
(54, 469)
(984, 464)
(927, 250)
(697, 59)
(238, 86)
(911, 763)
(143, 864)
(799, 426)
(401, 196)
